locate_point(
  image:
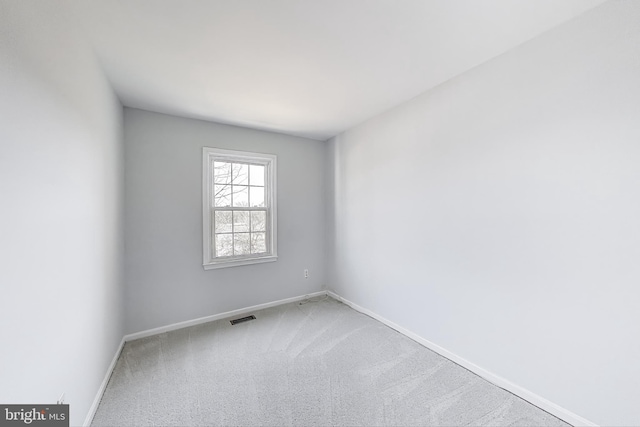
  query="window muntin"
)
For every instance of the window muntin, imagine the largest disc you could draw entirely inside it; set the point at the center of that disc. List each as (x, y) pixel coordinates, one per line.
(238, 208)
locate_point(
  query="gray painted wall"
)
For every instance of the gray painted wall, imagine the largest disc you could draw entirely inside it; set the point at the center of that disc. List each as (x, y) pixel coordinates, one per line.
(61, 188)
(163, 221)
(497, 215)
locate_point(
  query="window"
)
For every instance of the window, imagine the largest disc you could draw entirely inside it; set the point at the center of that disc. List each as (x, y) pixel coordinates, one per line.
(239, 208)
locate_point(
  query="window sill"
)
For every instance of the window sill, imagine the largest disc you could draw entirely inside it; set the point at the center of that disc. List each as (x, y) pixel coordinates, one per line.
(238, 262)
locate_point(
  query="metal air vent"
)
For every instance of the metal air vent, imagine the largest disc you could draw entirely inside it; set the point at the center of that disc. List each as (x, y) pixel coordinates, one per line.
(242, 319)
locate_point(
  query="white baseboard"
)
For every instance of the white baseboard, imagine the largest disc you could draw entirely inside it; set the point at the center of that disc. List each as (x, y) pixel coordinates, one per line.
(103, 386)
(521, 392)
(187, 323)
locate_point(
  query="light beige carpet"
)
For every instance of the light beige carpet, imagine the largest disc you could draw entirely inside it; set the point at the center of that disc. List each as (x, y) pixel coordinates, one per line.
(319, 363)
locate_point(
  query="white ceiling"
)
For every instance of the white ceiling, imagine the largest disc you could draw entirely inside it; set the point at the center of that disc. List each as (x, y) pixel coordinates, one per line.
(312, 68)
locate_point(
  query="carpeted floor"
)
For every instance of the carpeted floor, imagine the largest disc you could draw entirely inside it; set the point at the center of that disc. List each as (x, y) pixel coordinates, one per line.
(319, 363)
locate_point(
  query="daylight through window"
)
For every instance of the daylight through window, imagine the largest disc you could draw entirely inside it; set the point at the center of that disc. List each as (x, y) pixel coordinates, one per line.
(239, 208)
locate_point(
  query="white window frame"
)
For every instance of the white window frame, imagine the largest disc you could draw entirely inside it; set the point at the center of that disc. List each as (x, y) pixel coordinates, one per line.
(209, 155)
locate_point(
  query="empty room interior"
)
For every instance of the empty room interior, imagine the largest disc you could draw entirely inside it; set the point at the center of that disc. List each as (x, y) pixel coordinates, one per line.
(415, 212)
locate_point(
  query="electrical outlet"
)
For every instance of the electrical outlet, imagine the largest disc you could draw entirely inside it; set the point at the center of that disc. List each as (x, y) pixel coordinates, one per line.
(306, 273)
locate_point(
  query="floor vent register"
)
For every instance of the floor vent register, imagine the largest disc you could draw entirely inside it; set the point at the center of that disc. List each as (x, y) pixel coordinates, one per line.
(243, 319)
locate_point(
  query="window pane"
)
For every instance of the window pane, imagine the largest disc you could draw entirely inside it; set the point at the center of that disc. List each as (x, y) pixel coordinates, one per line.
(224, 244)
(222, 195)
(241, 243)
(257, 196)
(240, 196)
(258, 220)
(222, 172)
(223, 222)
(240, 174)
(239, 207)
(258, 244)
(256, 175)
(241, 221)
